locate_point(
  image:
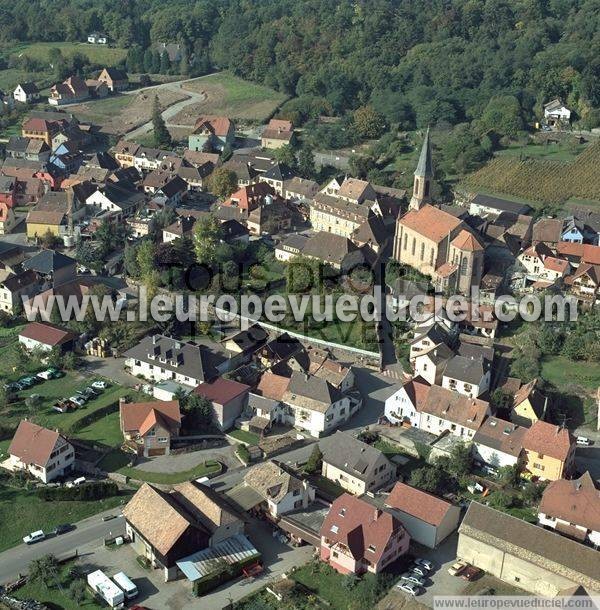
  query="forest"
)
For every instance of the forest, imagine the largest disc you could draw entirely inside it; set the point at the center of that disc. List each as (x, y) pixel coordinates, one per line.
(416, 62)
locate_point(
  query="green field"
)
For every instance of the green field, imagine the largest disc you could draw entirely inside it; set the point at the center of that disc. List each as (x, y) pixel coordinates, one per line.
(101, 110)
(551, 151)
(561, 372)
(245, 437)
(22, 512)
(230, 96)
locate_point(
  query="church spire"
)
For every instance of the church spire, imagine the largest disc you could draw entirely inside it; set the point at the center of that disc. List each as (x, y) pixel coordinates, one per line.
(423, 176)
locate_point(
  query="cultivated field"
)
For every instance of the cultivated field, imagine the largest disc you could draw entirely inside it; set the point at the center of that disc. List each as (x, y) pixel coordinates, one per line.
(122, 113)
(230, 96)
(542, 180)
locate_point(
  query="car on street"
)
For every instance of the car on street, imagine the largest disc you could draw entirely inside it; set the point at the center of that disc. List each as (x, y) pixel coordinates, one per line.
(583, 441)
(456, 568)
(419, 570)
(63, 529)
(471, 573)
(99, 385)
(414, 578)
(78, 400)
(409, 588)
(34, 537)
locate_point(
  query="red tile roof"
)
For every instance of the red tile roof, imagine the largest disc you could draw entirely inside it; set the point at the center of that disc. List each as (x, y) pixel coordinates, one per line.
(138, 416)
(576, 501)
(219, 125)
(556, 264)
(33, 444)
(48, 334)
(221, 391)
(417, 390)
(465, 240)
(431, 222)
(548, 439)
(418, 503)
(362, 527)
(272, 386)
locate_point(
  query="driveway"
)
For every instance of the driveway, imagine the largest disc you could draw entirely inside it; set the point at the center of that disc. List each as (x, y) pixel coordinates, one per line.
(186, 461)
(112, 369)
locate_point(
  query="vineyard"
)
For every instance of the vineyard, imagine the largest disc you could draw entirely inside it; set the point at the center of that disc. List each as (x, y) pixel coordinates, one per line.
(541, 180)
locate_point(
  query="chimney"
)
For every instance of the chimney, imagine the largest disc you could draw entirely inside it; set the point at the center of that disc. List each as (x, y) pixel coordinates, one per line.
(154, 339)
(376, 514)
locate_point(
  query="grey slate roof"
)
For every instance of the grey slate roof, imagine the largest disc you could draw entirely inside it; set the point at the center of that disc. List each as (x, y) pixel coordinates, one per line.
(311, 391)
(468, 370)
(534, 544)
(48, 261)
(349, 454)
(425, 165)
(195, 361)
(263, 403)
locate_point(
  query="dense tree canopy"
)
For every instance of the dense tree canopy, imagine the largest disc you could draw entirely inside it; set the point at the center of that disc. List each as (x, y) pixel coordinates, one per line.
(415, 61)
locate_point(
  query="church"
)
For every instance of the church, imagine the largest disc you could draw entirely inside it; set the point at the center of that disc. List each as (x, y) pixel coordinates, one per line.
(434, 242)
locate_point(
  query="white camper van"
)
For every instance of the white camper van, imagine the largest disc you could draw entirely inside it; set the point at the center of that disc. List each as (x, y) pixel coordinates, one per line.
(126, 585)
(106, 589)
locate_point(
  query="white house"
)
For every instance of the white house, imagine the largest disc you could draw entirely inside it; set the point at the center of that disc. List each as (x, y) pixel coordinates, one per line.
(356, 466)
(430, 364)
(447, 411)
(316, 406)
(97, 38)
(161, 358)
(281, 492)
(403, 405)
(572, 508)
(43, 453)
(498, 443)
(429, 520)
(468, 376)
(26, 93)
(556, 112)
(45, 337)
(116, 199)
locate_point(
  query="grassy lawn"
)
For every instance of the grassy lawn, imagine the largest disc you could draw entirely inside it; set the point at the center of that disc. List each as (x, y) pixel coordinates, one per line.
(117, 461)
(552, 151)
(328, 487)
(561, 371)
(231, 96)
(55, 389)
(54, 597)
(245, 437)
(22, 512)
(106, 431)
(328, 584)
(97, 54)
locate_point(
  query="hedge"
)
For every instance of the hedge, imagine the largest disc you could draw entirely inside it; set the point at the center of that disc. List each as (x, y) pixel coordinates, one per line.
(94, 416)
(95, 490)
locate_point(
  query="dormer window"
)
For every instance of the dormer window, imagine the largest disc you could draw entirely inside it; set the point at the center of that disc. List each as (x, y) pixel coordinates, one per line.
(334, 529)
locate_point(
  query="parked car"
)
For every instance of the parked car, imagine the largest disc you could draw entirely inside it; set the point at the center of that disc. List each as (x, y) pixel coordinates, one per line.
(456, 568)
(471, 573)
(414, 578)
(583, 441)
(63, 529)
(12, 387)
(424, 563)
(409, 588)
(50, 373)
(34, 537)
(419, 570)
(26, 382)
(78, 400)
(99, 385)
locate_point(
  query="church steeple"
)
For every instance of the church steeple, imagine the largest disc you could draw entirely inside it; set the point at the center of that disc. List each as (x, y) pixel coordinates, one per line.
(423, 176)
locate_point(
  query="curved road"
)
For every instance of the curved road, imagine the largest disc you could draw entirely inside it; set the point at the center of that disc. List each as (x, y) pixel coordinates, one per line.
(171, 111)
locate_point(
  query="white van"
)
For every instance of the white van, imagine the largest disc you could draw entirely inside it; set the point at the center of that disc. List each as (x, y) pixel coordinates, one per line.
(125, 585)
(106, 589)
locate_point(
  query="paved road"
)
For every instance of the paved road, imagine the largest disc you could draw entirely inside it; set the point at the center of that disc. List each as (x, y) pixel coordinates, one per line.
(88, 534)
